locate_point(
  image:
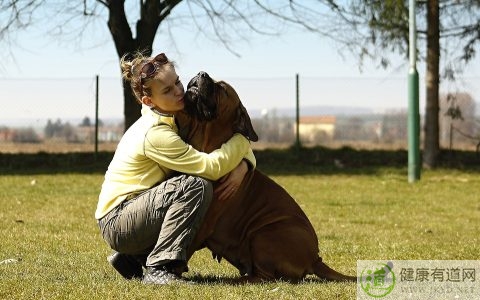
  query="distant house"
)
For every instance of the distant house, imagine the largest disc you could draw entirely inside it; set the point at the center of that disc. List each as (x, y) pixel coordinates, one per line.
(6, 134)
(317, 128)
(107, 133)
(110, 133)
(85, 134)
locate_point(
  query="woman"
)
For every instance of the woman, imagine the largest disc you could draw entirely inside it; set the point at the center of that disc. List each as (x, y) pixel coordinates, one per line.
(146, 211)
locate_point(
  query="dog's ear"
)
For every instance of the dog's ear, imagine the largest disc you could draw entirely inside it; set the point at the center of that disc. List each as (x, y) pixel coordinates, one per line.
(243, 124)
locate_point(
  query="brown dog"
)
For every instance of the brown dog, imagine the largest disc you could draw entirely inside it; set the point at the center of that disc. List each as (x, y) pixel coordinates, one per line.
(261, 230)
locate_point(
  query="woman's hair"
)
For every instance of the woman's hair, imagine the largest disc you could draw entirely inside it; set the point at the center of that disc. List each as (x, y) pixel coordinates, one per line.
(131, 65)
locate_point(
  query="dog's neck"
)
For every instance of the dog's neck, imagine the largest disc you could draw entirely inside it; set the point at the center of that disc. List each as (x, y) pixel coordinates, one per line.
(192, 131)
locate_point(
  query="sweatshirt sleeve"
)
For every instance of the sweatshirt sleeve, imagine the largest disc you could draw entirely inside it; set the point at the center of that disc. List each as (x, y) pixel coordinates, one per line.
(165, 147)
(250, 158)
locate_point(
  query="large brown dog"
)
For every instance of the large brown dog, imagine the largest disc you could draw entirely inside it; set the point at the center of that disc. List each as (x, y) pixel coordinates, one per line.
(261, 230)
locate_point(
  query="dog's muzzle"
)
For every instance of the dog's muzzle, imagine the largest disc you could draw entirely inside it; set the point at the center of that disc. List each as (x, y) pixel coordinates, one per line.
(200, 100)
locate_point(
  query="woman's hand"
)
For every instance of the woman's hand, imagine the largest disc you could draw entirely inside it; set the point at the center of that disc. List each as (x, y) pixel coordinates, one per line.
(229, 183)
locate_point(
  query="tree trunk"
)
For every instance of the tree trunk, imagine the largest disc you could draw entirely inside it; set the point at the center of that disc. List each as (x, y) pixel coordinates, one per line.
(152, 13)
(431, 140)
(131, 108)
(124, 43)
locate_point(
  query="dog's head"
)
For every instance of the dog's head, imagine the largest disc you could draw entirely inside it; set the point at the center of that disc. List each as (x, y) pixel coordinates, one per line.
(216, 113)
(200, 101)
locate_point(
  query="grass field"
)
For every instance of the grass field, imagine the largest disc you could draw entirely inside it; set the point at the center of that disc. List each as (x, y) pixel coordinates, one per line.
(51, 247)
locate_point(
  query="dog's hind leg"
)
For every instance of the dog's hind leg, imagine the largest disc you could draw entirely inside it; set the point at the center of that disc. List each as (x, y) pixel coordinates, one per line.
(283, 251)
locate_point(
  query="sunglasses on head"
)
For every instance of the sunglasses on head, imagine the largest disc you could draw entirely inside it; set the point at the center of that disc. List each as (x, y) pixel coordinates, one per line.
(150, 69)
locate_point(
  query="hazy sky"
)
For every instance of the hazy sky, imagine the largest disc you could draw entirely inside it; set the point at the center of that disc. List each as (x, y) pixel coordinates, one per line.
(47, 79)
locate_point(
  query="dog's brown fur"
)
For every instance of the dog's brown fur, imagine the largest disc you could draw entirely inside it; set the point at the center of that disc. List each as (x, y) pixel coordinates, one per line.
(261, 230)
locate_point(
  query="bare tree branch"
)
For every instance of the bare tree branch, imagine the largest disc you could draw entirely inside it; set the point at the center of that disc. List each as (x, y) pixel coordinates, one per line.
(245, 19)
(376, 30)
(102, 2)
(211, 16)
(16, 14)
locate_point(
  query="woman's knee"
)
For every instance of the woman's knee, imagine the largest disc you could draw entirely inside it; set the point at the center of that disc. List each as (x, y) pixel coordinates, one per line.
(204, 186)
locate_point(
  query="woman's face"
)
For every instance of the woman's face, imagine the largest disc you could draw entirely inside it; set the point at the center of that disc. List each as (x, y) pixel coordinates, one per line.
(167, 92)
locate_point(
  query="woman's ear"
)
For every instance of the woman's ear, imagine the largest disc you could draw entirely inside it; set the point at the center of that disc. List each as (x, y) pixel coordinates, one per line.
(147, 101)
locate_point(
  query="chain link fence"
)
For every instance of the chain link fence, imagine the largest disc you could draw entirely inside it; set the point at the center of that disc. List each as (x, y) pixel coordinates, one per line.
(58, 115)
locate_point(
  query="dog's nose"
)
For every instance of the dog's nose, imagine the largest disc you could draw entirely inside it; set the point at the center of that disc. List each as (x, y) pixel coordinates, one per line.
(202, 74)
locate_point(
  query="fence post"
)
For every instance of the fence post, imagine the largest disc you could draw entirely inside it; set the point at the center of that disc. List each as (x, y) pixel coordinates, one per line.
(96, 116)
(297, 113)
(413, 109)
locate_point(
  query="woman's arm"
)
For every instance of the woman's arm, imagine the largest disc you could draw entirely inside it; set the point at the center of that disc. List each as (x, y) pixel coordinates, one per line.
(250, 159)
(230, 183)
(164, 146)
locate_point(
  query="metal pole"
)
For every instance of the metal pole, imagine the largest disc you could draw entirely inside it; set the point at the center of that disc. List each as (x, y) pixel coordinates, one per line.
(297, 113)
(413, 103)
(96, 116)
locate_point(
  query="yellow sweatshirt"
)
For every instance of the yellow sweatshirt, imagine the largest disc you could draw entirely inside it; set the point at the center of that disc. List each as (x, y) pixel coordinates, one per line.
(151, 150)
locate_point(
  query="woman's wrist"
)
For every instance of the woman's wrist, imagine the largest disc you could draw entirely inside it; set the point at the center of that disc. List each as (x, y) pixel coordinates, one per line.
(244, 165)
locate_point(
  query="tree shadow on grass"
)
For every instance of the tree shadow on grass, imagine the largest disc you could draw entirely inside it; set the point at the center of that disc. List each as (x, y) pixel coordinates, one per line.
(238, 281)
(292, 161)
(346, 160)
(54, 163)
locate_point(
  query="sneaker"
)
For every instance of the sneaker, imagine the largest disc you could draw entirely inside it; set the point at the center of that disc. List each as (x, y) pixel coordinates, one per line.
(126, 265)
(161, 276)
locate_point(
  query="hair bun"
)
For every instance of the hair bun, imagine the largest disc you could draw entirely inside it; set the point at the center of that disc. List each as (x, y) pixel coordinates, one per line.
(127, 67)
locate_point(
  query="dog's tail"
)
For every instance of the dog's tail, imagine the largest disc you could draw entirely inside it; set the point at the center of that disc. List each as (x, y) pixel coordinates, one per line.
(326, 273)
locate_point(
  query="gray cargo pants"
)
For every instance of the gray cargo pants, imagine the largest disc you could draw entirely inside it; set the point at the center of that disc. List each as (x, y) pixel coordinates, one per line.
(161, 222)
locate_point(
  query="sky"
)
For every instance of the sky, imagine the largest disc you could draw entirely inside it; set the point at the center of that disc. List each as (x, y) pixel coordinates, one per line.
(44, 78)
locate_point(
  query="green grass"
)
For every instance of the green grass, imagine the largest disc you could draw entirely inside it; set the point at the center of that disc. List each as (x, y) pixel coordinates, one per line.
(49, 228)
